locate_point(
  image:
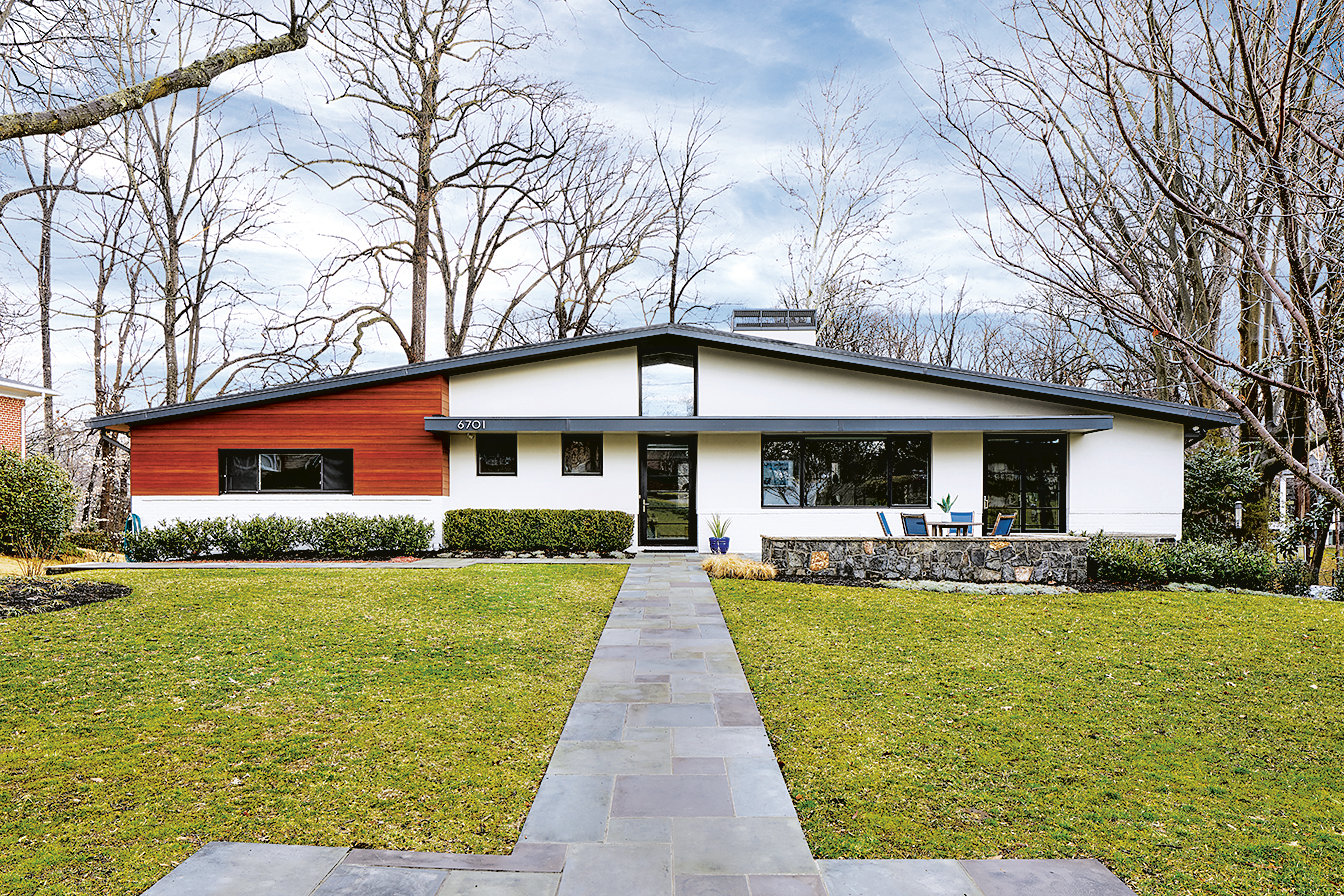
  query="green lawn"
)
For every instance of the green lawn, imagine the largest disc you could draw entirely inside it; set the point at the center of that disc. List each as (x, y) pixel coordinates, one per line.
(411, 708)
(1193, 743)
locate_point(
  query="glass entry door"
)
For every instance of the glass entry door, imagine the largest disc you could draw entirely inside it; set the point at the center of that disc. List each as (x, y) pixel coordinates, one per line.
(666, 491)
(1026, 475)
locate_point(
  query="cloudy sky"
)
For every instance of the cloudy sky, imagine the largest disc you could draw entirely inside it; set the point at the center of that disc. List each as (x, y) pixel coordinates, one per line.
(752, 63)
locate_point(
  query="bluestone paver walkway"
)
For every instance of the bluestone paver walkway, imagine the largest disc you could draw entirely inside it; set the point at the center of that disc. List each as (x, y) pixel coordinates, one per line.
(663, 783)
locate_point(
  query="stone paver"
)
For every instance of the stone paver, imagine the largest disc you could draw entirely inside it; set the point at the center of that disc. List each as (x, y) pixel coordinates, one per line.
(663, 783)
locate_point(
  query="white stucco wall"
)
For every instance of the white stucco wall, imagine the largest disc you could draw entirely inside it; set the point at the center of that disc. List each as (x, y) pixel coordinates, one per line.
(737, 385)
(603, 384)
(1130, 480)
(539, 482)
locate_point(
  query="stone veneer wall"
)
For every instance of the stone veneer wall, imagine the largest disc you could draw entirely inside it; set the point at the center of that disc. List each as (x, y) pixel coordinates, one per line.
(1060, 560)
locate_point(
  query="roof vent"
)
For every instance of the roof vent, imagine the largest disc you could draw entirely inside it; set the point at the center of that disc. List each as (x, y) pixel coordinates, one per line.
(785, 324)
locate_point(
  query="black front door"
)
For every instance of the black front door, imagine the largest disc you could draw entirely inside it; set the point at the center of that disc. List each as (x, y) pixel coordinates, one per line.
(1026, 475)
(666, 491)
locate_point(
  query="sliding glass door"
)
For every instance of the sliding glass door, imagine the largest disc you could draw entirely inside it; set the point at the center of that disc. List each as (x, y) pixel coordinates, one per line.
(1026, 475)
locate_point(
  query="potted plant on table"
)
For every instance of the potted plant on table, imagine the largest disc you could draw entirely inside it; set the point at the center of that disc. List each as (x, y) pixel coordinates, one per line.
(947, 502)
(718, 534)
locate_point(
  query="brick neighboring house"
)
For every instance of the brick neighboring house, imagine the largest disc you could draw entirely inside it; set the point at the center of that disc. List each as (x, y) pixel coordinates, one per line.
(13, 395)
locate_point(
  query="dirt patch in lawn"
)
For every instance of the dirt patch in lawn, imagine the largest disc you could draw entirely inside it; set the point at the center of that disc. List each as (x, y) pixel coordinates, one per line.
(20, 595)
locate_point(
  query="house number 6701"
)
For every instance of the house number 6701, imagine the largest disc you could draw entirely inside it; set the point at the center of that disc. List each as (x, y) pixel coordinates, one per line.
(471, 424)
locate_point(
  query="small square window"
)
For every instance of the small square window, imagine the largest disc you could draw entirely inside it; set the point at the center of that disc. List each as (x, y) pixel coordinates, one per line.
(581, 455)
(497, 455)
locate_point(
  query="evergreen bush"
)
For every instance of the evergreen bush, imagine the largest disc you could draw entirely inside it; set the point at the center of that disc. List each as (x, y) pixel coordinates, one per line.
(495, 531)
(1126, 561)
(336, 536)
(37, 503)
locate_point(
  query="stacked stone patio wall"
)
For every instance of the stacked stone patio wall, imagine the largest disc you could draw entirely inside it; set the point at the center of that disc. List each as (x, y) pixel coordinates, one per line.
(1059, 560)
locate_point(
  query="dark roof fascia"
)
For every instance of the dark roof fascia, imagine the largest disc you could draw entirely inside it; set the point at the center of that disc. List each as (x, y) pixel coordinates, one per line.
(1182, 413)
(840, 425)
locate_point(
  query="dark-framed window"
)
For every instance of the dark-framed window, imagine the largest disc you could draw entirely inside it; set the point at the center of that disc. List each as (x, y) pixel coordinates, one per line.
(1027, 475)
(667, 383)
(824, 471)
(497, 454)
(262, 472)
(580, 455)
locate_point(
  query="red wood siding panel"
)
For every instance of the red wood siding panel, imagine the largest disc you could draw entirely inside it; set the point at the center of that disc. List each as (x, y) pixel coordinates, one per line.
(444, 412)
(384, 425)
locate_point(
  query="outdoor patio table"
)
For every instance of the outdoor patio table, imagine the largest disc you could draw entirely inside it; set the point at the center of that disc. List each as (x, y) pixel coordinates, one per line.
(951, 528)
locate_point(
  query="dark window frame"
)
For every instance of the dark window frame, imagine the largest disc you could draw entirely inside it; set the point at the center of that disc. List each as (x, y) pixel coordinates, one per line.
(480, 437)
(1023, 440)
(347, 453)
(802, 477)
(694, 354)
(601, 452)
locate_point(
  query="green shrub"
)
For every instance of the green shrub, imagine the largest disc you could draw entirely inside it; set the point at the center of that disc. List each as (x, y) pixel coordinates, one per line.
(183, 540)
(486, 529)
(1216, 477)
(37, 503)
(268, 537)
(144, 546)
(1125, 560)
(1295, 577)
(348, 535)
(95, 540)
(1223, 565)
(336, 535)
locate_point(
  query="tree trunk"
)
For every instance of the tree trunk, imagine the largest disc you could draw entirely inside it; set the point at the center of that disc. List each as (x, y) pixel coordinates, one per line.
(48, 205)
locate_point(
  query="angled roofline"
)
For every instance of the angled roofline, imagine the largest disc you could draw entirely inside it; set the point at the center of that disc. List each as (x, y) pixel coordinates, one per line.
(1190, 415)
(16, 389)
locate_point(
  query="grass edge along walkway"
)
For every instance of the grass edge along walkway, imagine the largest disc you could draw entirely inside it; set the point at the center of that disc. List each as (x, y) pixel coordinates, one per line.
(1188, 741)
(409, 709)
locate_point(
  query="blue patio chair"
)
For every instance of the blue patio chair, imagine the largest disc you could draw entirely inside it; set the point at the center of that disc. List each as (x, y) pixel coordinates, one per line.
(882, 518)
(914, 524)
(1004, 524)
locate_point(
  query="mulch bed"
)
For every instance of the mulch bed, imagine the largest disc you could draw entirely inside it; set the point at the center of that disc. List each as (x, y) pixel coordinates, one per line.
(20, 596)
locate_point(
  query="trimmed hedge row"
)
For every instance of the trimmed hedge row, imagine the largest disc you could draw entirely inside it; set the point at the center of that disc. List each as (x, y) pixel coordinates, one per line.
(1131, 560)
(336, 535)
(537, 530)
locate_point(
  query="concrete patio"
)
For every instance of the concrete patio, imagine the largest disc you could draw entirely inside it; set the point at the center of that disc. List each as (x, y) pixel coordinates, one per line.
(663, 782)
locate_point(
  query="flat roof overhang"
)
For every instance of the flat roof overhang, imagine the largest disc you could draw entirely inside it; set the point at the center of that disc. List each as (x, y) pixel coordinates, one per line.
(837, 425)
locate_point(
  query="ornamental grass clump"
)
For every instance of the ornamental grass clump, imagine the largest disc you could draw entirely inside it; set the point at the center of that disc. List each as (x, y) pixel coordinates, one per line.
(731, 566)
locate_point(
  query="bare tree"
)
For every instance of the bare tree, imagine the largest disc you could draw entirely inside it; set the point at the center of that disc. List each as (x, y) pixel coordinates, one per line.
(51, 167)
(1164, 161)
(685, 169)
(421, 73)
(847, 184)
(116, 316)
(603, 208)
(38, 38)
(202, 195)
(490, 243)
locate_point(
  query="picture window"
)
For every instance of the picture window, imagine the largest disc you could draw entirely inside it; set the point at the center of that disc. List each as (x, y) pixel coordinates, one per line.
(262, 472)
(883, 471)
